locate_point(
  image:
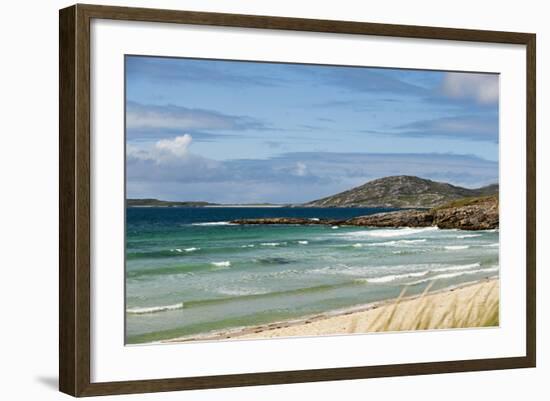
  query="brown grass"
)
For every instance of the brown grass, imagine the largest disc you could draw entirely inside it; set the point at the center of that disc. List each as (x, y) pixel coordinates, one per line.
(469, 201)
(481, 309)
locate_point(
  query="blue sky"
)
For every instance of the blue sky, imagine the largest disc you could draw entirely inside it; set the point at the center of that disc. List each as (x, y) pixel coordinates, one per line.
(237, 131)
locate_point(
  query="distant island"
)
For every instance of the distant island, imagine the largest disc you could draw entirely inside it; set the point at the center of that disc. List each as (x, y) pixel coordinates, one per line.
(151, 202)
(402, 191)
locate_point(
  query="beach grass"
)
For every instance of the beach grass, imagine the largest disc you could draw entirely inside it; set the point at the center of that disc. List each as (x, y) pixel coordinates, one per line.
(480, 309)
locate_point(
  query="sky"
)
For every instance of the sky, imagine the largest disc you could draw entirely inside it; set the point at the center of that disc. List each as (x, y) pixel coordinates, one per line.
(249, 132)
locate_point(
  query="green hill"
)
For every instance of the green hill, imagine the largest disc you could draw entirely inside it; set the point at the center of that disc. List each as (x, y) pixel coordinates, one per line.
(402, 191)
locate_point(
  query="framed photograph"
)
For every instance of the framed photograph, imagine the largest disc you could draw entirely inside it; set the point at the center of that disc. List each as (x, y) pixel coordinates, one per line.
(249, 200)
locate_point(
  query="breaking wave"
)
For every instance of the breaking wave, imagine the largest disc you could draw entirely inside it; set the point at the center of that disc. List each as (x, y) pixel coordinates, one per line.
(154, 309)
(398, 242)
(388, 233)
(225, 263)
(456, 247)
(455, 274)
(394, 277)
(214, 223)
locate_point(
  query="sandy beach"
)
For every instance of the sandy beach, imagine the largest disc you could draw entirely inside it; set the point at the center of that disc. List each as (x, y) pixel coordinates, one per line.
(454, 307)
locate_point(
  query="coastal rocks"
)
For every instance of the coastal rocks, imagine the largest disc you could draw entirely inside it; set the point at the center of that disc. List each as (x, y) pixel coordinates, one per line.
(408, 218)
(474, 214)
(481, 215)
(466, 214)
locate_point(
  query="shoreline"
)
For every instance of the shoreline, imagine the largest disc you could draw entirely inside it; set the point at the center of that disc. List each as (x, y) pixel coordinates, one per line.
(348, 320)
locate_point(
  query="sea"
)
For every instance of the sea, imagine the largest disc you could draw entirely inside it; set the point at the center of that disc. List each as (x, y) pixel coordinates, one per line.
(189, 271)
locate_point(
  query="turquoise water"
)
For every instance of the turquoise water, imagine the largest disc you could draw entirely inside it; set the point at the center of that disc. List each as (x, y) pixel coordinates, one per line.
(188, 271)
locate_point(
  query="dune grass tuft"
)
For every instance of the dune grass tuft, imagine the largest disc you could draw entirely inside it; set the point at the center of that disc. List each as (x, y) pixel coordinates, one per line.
(480, 309)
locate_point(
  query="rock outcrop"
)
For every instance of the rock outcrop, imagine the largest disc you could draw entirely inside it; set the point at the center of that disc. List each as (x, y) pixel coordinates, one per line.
(481, 214)
(404, 218)
(465, 214)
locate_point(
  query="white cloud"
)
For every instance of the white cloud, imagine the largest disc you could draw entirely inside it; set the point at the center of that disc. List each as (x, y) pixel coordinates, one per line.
(169, 160)
(165, 151)
(176, 147)
(483, 88)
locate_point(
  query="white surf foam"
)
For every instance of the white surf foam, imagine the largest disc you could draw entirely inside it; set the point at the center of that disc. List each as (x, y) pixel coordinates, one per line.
(214, 223)
(225, 263)
(392, 277)
(456, 247)
(303, 242)
(154, 309)
(491, 245)
(388, 233)
(398, 242)
(431, 269)
(399, 272)
(272, 243)
(192, 249)
(452, 275)
(456, 267)
(468, 236)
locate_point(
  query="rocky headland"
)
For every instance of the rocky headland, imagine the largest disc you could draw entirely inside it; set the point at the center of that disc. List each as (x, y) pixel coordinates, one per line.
(480, 213)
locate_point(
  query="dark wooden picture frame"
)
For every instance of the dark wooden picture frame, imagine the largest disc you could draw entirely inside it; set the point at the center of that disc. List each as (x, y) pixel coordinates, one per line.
(74, 200)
